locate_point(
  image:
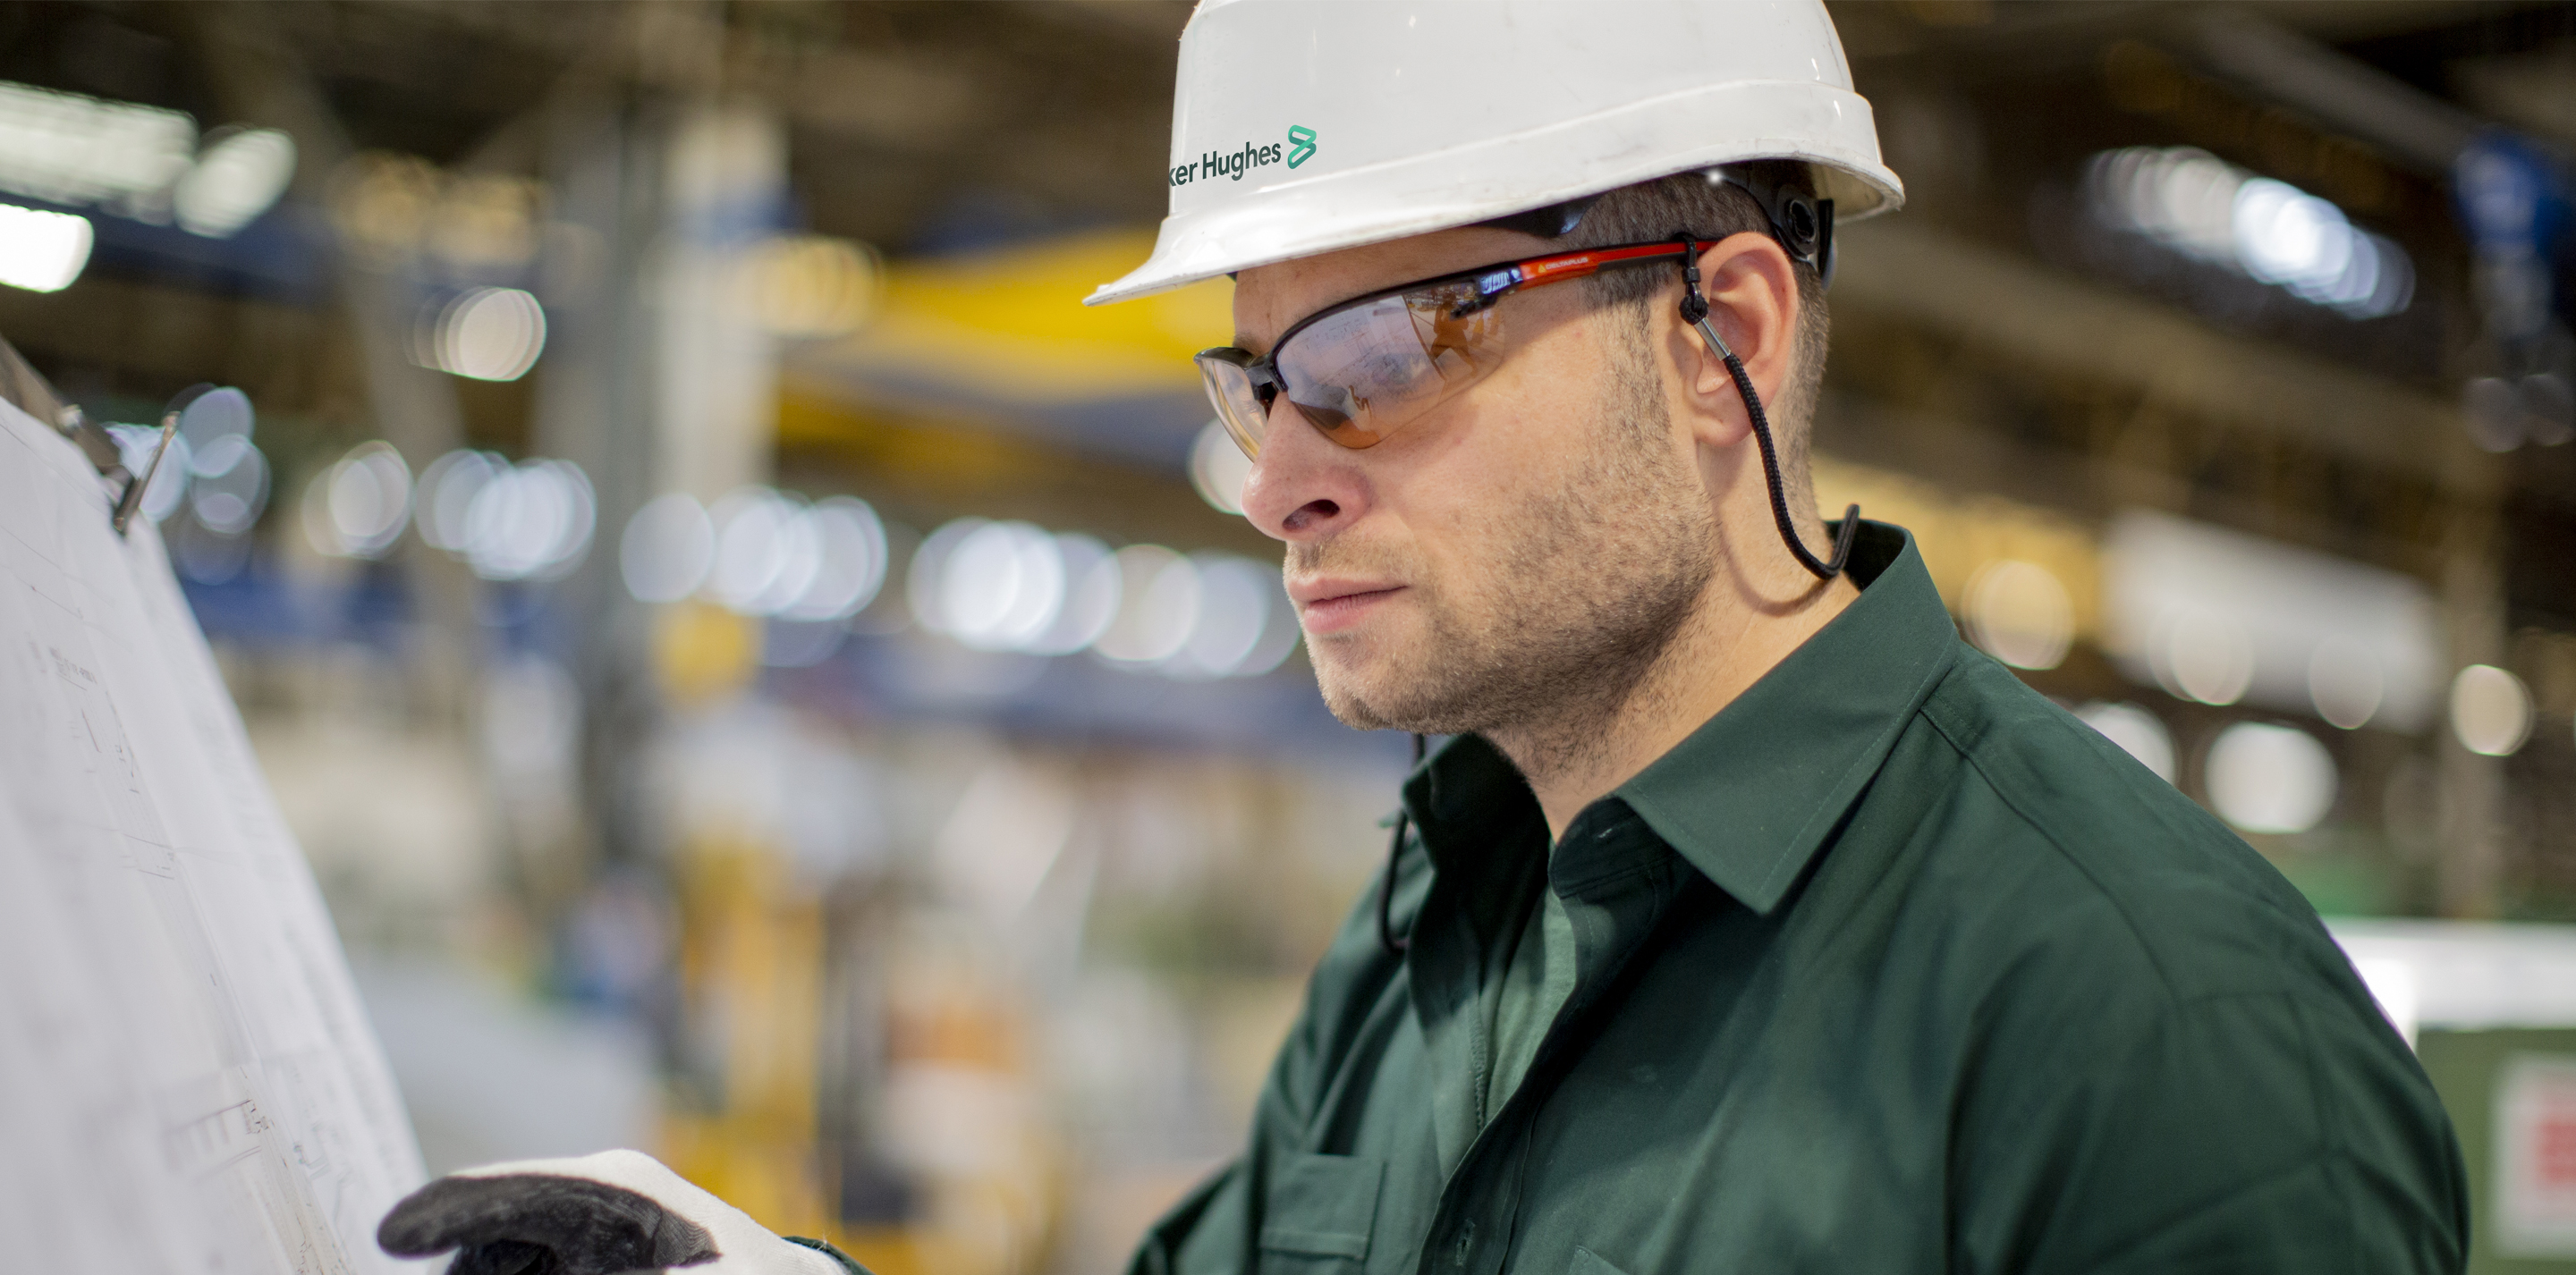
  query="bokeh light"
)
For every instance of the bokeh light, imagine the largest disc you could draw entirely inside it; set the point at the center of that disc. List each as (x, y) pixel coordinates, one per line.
(2204, 656)
(1002, 587)
(2490, 710)
(234, 181)
(42, 251)
(2139, 733)
(925, 583)
(358, 507)
(765, 555)
(668, 548)
(533, 520)
(1158, 606)
(758, 552)
(1218, 468)
(71, 148)
(2268, 230)
(1011, 586)
(446, 494)
(228, 484)
(2020, 613)
(2267, 778)
(810, 287)
(484, 334)
(216, 414)
(2346, 682)
(852, 567)
(1090, 598)
(1236, 599)
(530, 521)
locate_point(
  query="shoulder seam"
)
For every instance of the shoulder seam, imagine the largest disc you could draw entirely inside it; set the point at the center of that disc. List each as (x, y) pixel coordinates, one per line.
(1976, 762)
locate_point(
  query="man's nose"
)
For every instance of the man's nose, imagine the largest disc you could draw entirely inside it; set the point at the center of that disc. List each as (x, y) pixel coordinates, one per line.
(1304, 487)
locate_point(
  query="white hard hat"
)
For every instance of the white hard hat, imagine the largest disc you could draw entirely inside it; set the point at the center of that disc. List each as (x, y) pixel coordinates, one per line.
(1302, 128)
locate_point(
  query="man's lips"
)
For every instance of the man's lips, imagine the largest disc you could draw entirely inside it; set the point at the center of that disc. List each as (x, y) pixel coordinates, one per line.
(1329, 605)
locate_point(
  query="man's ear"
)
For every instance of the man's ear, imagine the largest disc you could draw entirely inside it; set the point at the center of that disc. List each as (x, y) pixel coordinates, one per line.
(1752, 291)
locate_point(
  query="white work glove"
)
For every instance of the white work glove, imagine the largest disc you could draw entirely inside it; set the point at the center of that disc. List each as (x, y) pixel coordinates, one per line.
(602, 1214)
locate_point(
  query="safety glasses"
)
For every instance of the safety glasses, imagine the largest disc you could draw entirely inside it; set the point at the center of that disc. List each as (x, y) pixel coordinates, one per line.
(1365, 368)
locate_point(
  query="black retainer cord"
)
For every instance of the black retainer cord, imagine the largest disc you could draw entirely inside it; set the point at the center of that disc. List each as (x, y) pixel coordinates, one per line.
(1695, 313)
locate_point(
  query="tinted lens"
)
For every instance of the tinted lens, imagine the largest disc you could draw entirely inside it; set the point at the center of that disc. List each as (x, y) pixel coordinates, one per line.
(1229, 387)
(1359, 374)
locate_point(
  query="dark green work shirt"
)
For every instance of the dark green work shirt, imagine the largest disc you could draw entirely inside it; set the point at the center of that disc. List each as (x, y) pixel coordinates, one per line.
(1891, 966)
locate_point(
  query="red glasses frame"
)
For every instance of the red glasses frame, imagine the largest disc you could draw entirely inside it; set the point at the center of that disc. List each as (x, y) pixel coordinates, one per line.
(1492, 284)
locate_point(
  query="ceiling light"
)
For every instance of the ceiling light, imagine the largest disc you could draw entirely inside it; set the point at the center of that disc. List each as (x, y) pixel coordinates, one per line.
(2267, 230)
(41, 251)
(67, 148)
(234, 181)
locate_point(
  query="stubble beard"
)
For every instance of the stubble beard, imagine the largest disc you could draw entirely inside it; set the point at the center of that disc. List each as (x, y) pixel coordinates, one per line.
(1589, 588)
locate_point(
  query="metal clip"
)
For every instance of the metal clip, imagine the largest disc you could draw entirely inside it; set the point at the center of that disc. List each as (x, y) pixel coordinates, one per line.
(132, 498)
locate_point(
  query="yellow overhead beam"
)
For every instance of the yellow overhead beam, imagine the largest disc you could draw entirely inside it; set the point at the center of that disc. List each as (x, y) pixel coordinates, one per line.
(1009, 324)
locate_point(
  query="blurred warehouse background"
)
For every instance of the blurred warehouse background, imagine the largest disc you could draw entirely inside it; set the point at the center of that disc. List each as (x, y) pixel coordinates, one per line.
(763, 675)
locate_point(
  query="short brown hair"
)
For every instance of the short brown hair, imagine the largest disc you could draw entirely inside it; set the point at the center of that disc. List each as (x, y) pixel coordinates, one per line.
(1691, 203)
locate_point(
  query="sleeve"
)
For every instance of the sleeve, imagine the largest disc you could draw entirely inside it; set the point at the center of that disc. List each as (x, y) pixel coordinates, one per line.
(2270, 1132)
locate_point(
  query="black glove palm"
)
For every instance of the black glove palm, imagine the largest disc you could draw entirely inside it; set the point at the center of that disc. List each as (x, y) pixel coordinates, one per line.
(605, 1214)
(541, 1224)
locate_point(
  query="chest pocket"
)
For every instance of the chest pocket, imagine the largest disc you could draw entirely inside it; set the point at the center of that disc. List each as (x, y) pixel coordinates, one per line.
(1319, 1214)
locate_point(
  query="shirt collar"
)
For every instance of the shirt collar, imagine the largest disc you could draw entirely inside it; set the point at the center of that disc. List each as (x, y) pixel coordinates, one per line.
(1750, 796)
(1475, 814)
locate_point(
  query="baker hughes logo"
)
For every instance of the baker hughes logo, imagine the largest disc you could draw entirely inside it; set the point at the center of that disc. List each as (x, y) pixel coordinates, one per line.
(1243, 159)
